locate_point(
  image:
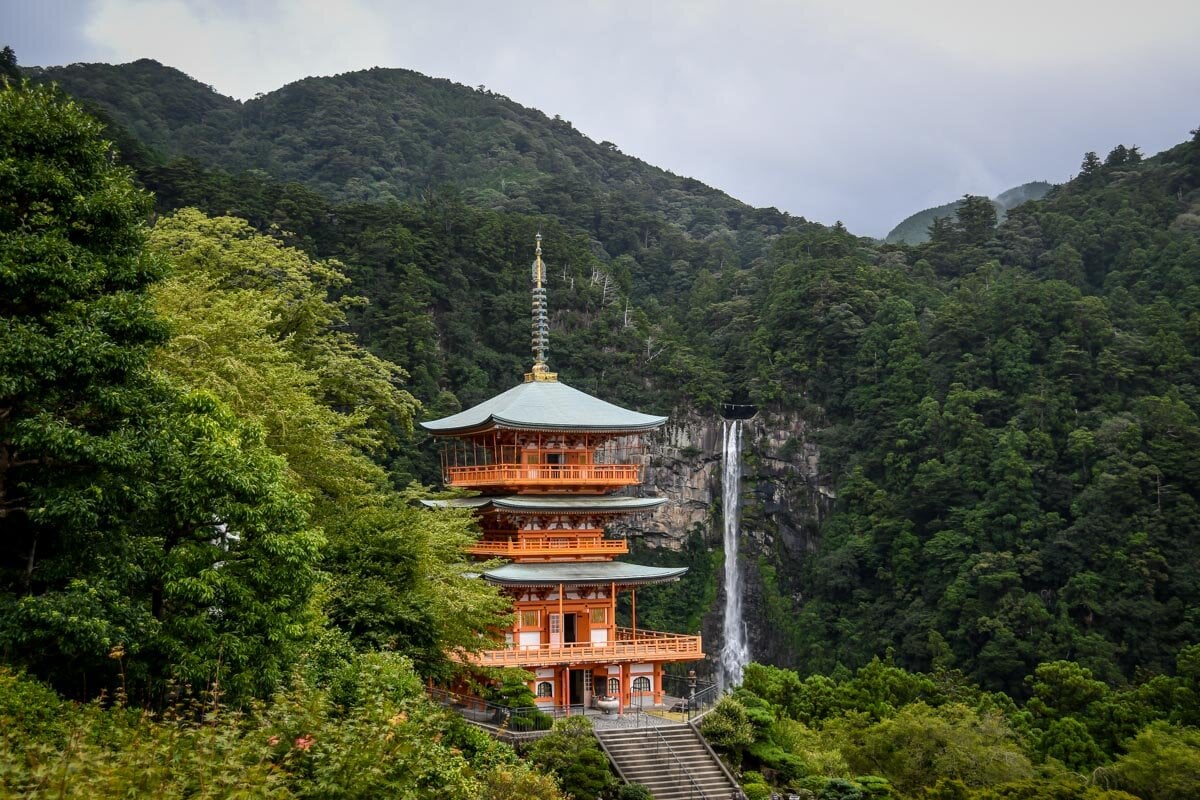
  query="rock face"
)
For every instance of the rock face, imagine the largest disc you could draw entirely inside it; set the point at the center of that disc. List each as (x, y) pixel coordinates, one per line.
(784, 500)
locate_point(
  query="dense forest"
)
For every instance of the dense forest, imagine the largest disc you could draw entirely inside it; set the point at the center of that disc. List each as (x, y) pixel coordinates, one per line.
(206, 445)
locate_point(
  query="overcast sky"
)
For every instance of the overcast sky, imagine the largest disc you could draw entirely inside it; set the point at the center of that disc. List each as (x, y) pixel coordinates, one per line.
(835, 110)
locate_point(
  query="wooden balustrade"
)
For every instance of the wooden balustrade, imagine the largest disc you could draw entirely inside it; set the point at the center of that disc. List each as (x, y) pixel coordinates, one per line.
(526, 548)
(547, 475)
(644, 646)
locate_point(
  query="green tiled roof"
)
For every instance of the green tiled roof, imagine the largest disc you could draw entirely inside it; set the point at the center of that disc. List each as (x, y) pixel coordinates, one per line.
(588, 572)
(562, 503)
(544, 405)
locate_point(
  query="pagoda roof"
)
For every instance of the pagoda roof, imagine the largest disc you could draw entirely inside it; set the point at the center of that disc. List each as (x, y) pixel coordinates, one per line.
(545, 406)
(581, 572)
(563, 503)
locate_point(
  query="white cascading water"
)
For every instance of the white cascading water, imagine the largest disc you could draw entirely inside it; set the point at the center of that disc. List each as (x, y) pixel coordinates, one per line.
(735, 650)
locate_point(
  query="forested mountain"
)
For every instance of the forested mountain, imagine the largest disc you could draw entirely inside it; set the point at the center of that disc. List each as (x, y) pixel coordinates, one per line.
(915, 229)
(1008, 412)
(982, 398)
(392, 134)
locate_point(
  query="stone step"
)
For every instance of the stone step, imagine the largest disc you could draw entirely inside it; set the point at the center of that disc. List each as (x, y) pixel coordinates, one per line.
(654, 758)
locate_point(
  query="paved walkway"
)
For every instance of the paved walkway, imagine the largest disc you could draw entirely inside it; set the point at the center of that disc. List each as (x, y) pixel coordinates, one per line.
(630, 719)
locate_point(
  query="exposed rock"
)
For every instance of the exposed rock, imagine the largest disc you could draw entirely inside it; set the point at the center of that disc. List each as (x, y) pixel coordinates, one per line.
(784, 502)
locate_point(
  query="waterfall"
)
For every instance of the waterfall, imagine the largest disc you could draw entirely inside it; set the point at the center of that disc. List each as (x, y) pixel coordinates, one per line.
(735, 650)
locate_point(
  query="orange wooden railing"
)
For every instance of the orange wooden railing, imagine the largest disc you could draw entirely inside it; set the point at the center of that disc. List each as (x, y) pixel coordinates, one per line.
(548, 548)
(545, 475)
(645, 646)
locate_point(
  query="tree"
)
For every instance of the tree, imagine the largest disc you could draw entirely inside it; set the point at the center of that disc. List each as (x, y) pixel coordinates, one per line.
(149, 534)
(1162, 763)
(76, 331)
(728, 728)
(76, 327)
(9, 71)
(258, 324)
(571, 754)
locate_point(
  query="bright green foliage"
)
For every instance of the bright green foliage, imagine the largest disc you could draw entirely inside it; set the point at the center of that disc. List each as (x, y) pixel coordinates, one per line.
(728, 728)
(956, 741)
(519, 782)
(151, 537)
(919, 745)
(1162, 763)
(389, 742)
(570, 753)
(257, 323)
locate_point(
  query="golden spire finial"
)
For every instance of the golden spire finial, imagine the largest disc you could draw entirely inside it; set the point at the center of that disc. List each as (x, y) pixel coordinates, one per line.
(541, 325)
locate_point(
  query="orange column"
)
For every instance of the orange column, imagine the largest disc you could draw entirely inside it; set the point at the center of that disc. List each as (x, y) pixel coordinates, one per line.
(634, 614)
(612, 616)
(626, 697)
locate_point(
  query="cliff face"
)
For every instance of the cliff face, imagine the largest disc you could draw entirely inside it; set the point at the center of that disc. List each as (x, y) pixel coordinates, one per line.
(784, 500)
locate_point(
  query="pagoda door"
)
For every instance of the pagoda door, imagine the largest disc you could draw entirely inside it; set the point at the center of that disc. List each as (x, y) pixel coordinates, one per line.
(555, 630)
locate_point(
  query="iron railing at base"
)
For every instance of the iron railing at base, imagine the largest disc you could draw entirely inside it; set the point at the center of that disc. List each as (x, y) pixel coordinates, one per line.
(695, 694)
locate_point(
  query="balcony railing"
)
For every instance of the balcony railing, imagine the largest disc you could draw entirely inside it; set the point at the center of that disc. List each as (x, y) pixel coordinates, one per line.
(547, 475)
(561, 547)
(628, 646)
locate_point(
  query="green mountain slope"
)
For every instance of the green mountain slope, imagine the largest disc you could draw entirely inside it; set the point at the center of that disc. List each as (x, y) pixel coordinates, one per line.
(915, 229)
(1010, 414)
(389, 134)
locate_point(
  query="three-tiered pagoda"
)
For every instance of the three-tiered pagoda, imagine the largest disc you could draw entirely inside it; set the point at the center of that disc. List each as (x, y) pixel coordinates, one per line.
(548, 462)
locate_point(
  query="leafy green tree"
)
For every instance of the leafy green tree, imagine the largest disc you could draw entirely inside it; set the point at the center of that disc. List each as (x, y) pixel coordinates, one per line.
(152, 538)
(570, 753)
(76, 326)
(920, 745)
(258, 324)
(728, 728)
(1067, 739)
(9, 71)
(1161, 763)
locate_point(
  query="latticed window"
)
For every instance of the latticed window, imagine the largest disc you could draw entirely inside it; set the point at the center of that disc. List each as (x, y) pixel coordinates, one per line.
(599, 616)
(641, 684)
(529, 619)
(545, 689)
(614, 686)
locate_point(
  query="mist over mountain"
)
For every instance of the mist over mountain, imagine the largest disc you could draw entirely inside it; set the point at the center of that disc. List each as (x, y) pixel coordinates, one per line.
(915, 229)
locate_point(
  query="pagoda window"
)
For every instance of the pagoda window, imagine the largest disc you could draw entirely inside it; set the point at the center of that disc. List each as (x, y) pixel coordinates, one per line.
(545, 689)
(614, 687)
(641, 684)
(530, 619)
(599, 616)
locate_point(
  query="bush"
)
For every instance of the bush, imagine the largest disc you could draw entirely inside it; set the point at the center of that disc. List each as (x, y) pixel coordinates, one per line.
(530, 721)
(572, 754)
(634, 791)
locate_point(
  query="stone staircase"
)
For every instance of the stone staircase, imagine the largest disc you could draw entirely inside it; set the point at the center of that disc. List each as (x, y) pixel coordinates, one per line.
(672, 761)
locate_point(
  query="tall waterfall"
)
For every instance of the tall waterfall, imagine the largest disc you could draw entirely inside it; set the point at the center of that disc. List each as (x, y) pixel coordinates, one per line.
(735, 650)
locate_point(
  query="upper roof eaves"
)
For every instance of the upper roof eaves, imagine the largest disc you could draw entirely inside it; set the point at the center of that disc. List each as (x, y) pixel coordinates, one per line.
(544, 405)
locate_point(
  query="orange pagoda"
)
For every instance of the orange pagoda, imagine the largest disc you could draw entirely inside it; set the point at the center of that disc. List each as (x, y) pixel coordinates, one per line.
(550, 463)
